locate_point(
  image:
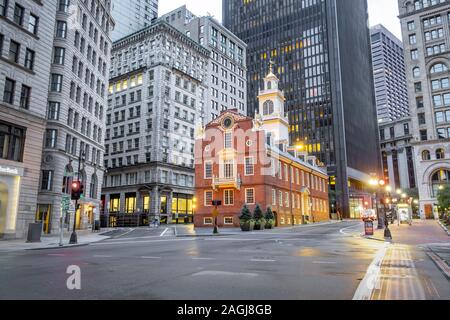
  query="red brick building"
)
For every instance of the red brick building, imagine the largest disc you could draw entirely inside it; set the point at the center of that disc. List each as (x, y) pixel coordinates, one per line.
(241, 160)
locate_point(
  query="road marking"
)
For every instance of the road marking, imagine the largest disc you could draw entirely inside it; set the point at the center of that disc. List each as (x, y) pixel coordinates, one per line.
(144, 257)
(371, 279)
(350, 227)
(324, 262)
(263, 260)
(124, 234)
(164, 232)
(101, 256)
(139, 242)
(223, 273)
(203, 259)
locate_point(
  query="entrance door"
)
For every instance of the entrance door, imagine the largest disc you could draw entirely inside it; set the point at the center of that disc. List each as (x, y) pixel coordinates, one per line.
(428, 211)
(43, 216)
(164, 205)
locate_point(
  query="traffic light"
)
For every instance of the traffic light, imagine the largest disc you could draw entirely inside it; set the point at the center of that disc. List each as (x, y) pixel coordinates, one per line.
(76, 190)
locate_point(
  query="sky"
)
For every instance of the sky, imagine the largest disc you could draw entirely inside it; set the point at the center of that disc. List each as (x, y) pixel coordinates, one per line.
(380, 11)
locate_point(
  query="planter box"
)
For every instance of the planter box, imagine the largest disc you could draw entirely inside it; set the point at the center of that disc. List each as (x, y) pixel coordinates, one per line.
(260, 225)
(270, 225)
(247, 226)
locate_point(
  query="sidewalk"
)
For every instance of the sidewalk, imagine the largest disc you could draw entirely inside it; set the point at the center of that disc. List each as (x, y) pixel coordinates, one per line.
(85, 237)
(421, 232)
(191, 231)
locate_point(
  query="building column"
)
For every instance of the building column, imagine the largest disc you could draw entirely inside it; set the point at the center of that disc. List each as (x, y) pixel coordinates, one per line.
(391, 170)
(403, 169)
(122, 202)
(139, 202)
(106, 207)
(155, 202)
(169, 208)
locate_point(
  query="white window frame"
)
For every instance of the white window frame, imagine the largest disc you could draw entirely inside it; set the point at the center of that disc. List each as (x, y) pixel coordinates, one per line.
(212, 196)
(208, 223)
(249, 165)
(228, 223)
(228, 140)
(246, 196)
(274, 197)
(225, 197)
(209, 162)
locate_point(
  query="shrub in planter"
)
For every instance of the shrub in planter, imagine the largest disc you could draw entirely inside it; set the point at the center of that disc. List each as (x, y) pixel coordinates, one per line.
(246, 220)
(270, 219)
(260, 221)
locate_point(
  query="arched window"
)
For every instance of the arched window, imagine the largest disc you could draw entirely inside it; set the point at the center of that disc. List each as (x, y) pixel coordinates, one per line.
(426, 155)
(440, 154)
(93, 187)
(268, 107)
(438, 68)
(439, 180)
(416, 72)
(269, 85)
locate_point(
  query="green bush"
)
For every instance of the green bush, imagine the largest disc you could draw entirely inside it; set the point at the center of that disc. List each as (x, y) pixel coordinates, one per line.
(269, 214)
(246, 215)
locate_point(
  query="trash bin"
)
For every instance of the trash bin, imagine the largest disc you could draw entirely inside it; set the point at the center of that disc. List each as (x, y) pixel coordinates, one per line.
(97, 225)
(34, 232)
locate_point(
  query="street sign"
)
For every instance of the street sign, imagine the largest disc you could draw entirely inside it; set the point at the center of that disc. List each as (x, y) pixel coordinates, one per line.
(65, 203)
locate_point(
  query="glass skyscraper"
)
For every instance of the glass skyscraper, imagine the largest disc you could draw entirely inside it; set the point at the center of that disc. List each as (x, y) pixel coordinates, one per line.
(322, 52)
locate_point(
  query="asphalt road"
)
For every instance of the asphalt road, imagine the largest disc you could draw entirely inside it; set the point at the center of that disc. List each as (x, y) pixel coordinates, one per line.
(307, 263)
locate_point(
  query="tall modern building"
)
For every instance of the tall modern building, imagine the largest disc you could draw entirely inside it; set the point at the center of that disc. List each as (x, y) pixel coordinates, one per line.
(323, 59)
(389, 74)
(26, 37)
(73, 145)
(227, 69)
(157, 100)
(425, 28)
(132, 15)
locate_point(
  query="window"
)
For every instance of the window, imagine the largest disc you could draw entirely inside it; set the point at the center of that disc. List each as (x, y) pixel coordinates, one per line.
(440, 179)
(50, 138)
(208, 170)
(12, 141)
(53, 110)
(3, 7)
(25, 97)
(63, 5)
(47, 180)
(418, 87)
(18, 14)
(412, 39)
(440, 118)
(208, 221)
(274, 197)
(29, 59)
(423, 135)
(61, 29)
(56, 83)
(59, 55)
(416, 72)
(414, 54)
(228, 221)
(208, 198)
(268, 107)
(411, 26)
(249, 166)
(8, 94)
(229, 197)
(440, 154)
(250, 196)
(33, 23)
(228, 140)
(438, 68)
(14, 51)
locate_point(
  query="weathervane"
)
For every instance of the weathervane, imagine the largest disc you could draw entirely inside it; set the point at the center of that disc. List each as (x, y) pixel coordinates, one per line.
(271, 64)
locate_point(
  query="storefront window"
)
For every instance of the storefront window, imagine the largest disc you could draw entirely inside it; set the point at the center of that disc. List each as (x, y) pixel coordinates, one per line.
(130, 203)
(182, 204)
(114, 203)
(146, 204)
(12, 140)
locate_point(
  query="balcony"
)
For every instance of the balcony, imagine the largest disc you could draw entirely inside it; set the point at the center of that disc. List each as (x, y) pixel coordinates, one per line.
(227, 183)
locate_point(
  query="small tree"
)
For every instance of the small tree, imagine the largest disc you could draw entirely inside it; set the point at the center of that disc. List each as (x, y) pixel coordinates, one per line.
(444, 200)
(269, 214)
(258, 214)
(246, 215)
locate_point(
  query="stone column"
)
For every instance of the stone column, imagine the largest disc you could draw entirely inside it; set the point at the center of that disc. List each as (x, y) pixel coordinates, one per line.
(155, 203)
(122, 202)
(403, 168)
(391, 170)
(169, 208)
(139, 202)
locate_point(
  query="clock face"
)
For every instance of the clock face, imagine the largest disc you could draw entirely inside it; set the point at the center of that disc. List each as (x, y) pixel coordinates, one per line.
(227, 123)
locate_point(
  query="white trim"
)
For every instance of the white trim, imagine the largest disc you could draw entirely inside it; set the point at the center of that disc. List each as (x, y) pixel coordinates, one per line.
(228, 224)
(224, 198)
(246, 196)
(252, 164)
(204, 198)
(207, 223)
(204, 170)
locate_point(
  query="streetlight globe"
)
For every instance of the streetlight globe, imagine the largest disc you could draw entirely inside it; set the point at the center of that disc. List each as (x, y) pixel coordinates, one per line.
(388, 188)
(399, 191)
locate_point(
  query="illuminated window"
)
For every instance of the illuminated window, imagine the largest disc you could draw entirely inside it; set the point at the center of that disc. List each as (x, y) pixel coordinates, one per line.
(228, 220)
(139, 79)
(130, 203)
(146, 204)
(208, 221)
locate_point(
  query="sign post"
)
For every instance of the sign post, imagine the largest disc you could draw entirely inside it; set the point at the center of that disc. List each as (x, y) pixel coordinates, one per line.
(215, 214)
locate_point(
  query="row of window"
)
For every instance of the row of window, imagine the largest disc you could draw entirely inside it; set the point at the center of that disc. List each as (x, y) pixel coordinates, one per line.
(14, 53)
(9, 94)
(19, 17)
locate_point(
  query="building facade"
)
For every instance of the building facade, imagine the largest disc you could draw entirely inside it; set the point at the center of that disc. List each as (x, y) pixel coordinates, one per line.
(323, 59)
(157, 100)
(26, 36)
(397, 154)
(132, 15)
(425, 29)
(246, 161)
(389, 74)
(227, 67)
(77, 98)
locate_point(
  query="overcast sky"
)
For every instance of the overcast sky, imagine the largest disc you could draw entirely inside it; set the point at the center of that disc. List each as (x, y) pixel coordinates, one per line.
(381, 11)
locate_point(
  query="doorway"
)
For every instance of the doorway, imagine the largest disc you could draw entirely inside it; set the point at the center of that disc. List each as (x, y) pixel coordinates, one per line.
(43, 216)
(4, 194)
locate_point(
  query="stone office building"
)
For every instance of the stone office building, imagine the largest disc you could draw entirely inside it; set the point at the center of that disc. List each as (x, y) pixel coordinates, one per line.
(26, 36)
(77, 99)
(227, 66)
(397, 154)
(425, 29)
(157, 99)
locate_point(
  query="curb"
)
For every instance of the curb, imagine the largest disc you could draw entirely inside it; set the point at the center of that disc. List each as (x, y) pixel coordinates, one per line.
(445, 269)
(58, 247)
(444, 227)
